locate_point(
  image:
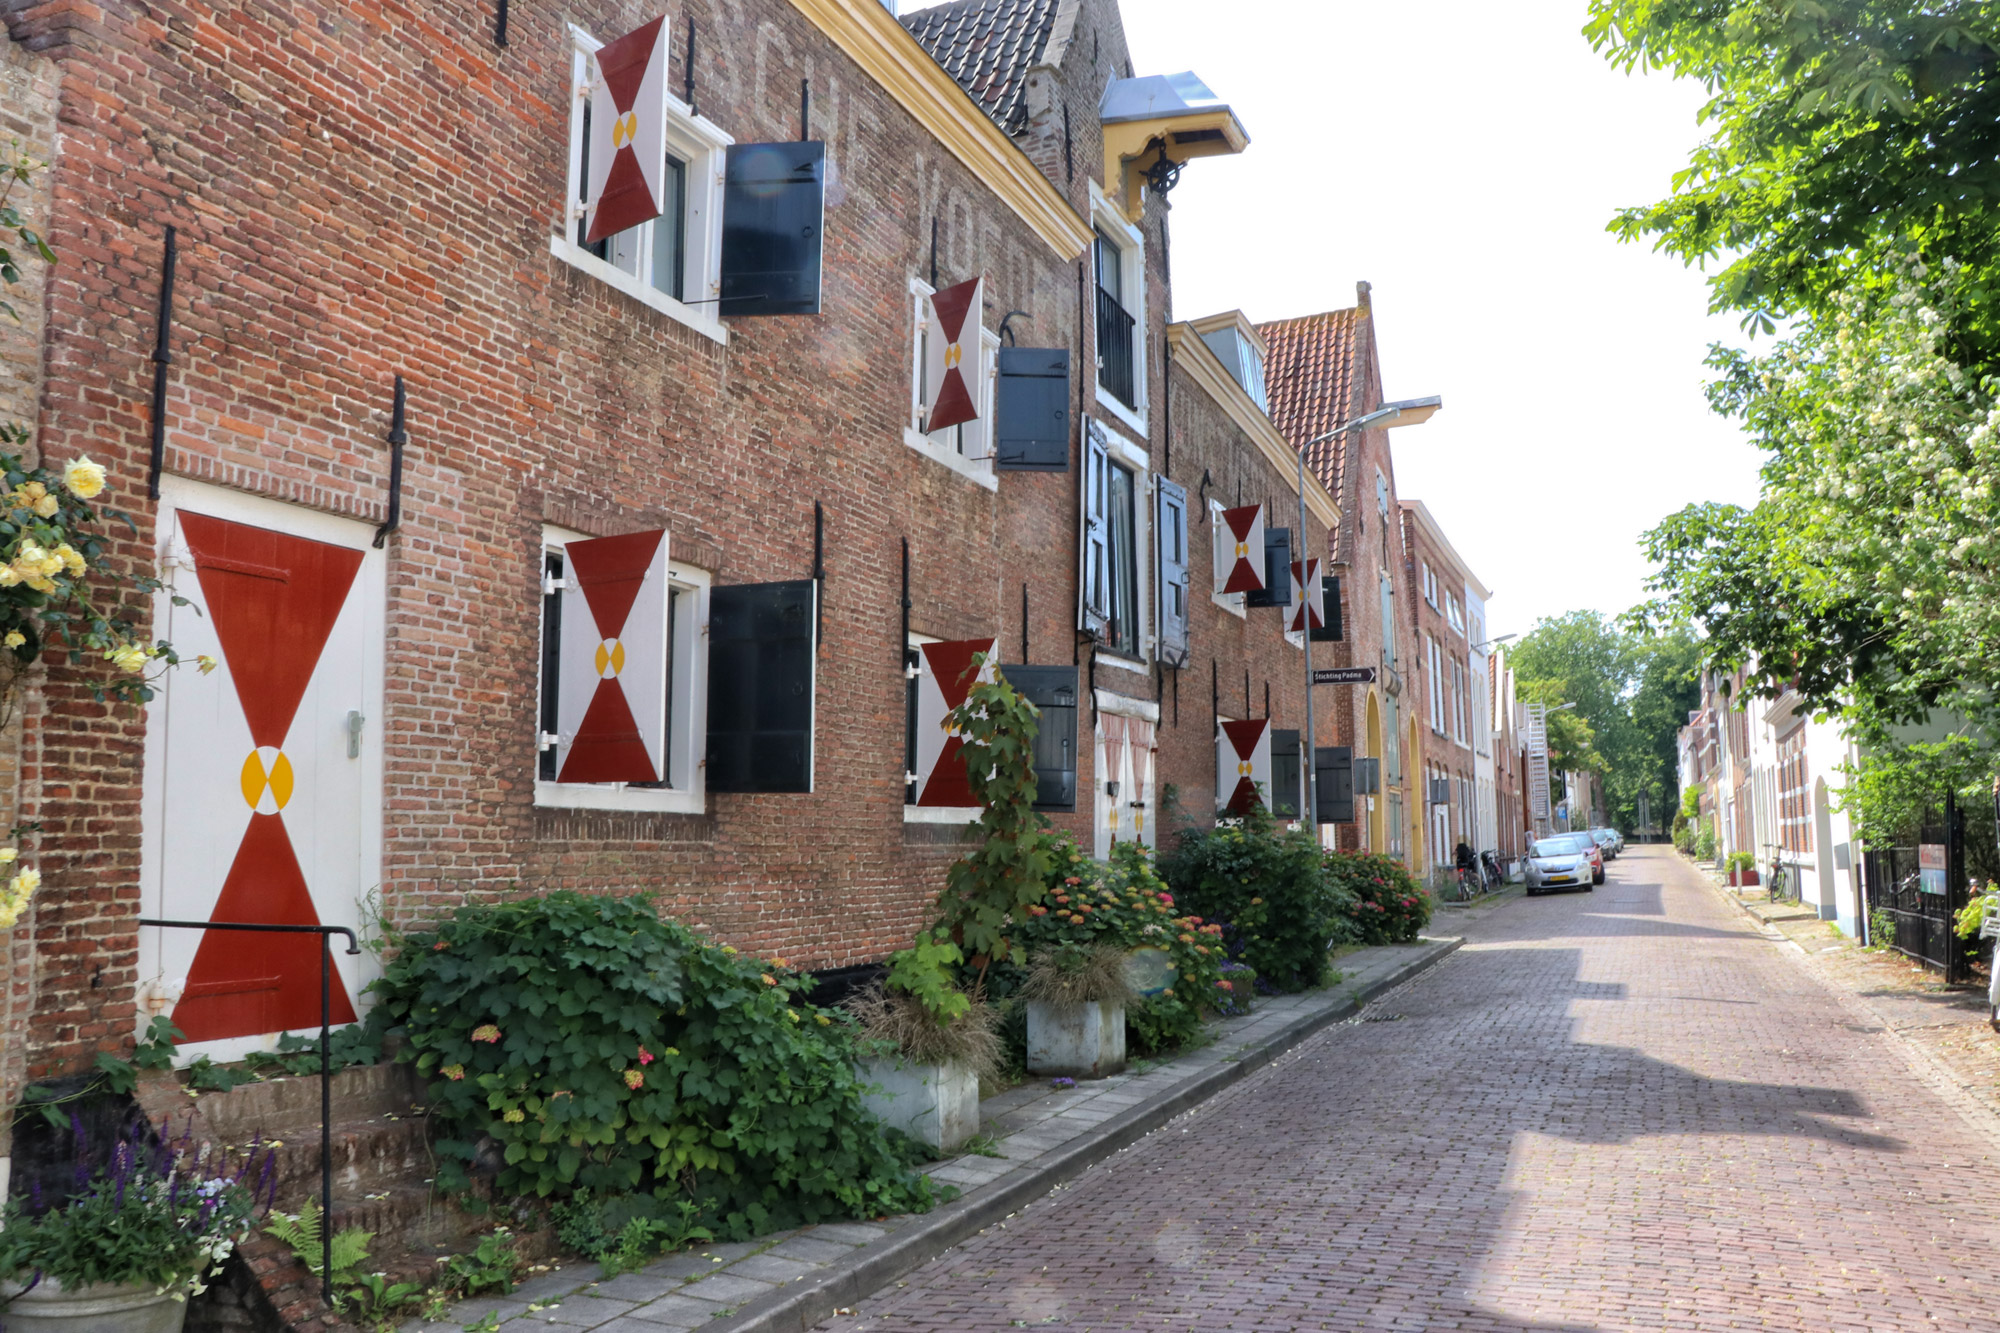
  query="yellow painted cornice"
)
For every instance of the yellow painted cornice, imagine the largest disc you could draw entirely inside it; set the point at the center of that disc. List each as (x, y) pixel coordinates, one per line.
(1192, 355)
(1187, 135)
(887, 53)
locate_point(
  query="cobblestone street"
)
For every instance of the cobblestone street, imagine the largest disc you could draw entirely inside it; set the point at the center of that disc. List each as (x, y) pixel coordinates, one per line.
(1614, 1110)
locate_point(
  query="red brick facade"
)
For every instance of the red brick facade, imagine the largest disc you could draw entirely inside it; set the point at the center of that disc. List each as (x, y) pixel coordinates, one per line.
(362, 194)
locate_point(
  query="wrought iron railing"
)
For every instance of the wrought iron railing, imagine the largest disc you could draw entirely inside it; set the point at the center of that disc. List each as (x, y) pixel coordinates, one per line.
(1114, 348)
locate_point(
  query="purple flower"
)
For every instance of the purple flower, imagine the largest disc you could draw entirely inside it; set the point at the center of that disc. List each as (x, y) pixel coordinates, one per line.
(1062, 1082)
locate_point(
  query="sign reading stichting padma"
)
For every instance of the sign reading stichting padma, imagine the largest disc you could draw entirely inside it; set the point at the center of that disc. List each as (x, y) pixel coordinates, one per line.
(1344, 676)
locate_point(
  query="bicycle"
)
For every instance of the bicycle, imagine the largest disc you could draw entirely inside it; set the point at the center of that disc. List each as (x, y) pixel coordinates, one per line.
(1781, 887)
(1469, 885)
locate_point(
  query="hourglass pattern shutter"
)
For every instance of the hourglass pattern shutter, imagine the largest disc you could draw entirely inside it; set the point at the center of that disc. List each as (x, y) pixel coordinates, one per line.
(611, 699)
(1308, 598)
(1242, 765)
(628, 132)
(1239, 550)
(946, 676)
(951, 354)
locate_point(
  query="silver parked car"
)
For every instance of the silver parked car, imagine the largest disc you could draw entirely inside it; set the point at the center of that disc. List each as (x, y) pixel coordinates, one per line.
(1561, 862)
(1610, 840)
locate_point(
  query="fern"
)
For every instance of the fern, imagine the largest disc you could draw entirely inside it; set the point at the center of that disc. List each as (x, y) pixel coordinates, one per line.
(301, 1231)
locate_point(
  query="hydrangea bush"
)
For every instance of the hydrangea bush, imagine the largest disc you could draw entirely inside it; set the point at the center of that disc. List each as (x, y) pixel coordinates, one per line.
(1388, 905)
(603, 1047)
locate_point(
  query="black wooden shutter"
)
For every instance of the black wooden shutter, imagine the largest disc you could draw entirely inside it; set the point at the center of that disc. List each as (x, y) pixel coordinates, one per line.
(1287, 774)
(1031, 410)
(760, 687)
(1333, 770)
(1277, 589)
(1094, 596)
(1170, 540)
(1053, 690)
(1331, 631)
(773, 215)
(1367, 776)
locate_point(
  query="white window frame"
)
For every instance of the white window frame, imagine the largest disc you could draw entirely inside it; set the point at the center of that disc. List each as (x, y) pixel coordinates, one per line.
(1123, 453)
(1131, 242)
(949, 446)
(1434, 669)
(697, 141)
(1143, 710)
(1430, 584)
(1454, 613)
(687, 745)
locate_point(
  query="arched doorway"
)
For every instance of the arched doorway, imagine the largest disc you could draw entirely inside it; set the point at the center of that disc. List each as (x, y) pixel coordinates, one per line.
(1373, 827)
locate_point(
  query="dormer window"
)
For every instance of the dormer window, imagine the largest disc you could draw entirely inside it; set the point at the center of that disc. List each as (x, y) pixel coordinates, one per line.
(1241, 350)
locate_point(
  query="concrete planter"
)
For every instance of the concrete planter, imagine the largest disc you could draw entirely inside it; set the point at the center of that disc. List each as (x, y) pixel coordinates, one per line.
(1076, 1040)
(99, 1308)
(934, 1104)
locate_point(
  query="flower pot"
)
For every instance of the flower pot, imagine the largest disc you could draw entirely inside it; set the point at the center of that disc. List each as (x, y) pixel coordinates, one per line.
(1741, 878)
(934, 1104)
(102, 1307)
(1076, 1040)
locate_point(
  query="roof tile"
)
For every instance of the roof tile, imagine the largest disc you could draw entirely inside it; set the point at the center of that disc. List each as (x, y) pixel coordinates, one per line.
(988, 46)
(1311, 373)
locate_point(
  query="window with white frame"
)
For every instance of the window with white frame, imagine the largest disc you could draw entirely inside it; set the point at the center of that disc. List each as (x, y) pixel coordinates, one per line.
(1430, 584)
(1458, 700)
(1434, 670)
(1454, 612)
(685, 686)
(968, 447)
(674, 262)
(1118, 254)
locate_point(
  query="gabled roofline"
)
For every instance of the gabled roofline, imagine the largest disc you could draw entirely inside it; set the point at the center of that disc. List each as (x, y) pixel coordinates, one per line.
(1206, 370)
(890, 54)
(1422, 513)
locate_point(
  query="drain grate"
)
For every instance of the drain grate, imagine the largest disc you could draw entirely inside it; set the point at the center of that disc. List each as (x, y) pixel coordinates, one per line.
(1369, 1017)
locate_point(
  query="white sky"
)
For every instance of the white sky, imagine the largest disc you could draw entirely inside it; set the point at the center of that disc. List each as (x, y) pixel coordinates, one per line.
(1463, 156)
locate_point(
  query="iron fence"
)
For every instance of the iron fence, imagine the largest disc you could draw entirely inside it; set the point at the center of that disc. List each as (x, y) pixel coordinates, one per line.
(1114, 348)
(1921, 921)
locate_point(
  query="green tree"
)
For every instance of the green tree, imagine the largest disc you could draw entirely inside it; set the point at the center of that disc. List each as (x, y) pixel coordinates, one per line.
(1839, 131)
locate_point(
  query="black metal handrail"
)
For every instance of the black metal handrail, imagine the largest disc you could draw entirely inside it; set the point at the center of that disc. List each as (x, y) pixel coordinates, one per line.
(1114, 348)
(325, 1066)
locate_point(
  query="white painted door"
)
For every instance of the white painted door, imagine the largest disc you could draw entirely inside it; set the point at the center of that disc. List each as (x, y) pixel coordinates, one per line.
(263, 778)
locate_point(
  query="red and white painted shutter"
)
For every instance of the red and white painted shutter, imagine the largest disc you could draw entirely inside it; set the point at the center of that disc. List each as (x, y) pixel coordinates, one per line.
(1308, 599)
(945, 676)
(628, 132)
(611, 697)
(1242, 765)
(1239, 550)
(951, 354)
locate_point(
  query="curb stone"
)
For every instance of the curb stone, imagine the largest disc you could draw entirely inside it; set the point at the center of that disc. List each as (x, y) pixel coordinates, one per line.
(813, 1299)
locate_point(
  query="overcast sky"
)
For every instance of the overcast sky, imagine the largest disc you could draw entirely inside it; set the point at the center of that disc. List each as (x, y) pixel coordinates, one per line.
(1463, 156)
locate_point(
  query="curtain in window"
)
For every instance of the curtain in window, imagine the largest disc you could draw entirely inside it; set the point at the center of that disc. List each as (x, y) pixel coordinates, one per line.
(1124, 565)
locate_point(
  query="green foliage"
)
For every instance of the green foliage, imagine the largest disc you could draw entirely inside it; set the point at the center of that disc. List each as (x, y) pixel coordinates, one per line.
(1704, 843)
(1738, 861)
(16, 169)
(302, 1231)
(1838, 129)
(1977, 906)
(1388, 905)
(489, 1268)
(1124, 904)
(204, 1075)
(355, 1044)
(1281, 912)
(606, 1048)
(1881, 929)
(987, 888)
(625, 1233)
(1632, 690)
(157, 1215)
(924, 972)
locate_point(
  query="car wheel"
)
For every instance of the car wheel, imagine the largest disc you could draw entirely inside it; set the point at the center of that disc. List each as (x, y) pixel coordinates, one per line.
(1597, 879)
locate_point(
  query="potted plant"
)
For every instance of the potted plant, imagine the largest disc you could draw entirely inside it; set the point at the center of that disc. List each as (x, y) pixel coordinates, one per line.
(927, 1044)
(123, 1252)
(1075, 995)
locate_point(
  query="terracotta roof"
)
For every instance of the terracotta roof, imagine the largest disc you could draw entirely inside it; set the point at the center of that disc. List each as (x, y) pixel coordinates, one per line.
(1311, 373)
(989, 47)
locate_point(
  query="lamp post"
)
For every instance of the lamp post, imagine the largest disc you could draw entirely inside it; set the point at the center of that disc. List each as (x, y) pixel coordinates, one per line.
(1403, 412)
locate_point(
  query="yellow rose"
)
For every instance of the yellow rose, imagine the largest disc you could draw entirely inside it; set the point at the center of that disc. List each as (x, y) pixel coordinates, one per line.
(33, 491)
(9, 576)
(14, 638)
(204, 664)
(9, 854)
(71, 557)
(47, 506)
(83, 477)
(130, 658)
(8, 916)
(24, 884)
(41, 584)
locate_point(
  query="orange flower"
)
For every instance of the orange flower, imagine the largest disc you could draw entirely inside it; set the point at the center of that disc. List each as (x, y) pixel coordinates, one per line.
(635, 1079)
(487, 1033)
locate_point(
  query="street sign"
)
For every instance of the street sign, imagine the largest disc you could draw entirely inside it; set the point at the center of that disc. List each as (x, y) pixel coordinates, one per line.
(1344, 676)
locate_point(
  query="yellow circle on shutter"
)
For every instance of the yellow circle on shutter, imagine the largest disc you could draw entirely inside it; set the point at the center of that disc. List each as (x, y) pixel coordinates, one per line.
(266, 773)
(610, 658)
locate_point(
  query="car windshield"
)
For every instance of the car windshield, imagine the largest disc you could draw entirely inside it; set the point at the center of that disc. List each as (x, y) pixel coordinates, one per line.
(1556, 847)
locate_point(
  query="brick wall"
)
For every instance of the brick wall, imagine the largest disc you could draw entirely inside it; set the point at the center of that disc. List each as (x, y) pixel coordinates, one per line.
(362, 194)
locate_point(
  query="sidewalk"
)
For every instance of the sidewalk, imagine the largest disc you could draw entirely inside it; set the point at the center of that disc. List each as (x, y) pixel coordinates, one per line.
(792, 1280)
(1943, 1027)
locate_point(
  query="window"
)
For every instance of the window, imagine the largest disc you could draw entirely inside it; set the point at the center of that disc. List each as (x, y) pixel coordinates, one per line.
(1388, 598)
(1430, 584)
(1795, 832)
(672, 263)
(967, 448)
(1454, 613)
(1124, 571)
(1434, 671)
(1119, 258)
(685, 684)
(1458, 700)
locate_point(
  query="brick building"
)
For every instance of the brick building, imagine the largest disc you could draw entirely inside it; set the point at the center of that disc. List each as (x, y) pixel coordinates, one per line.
(1324, 370)
(1438, 583)
(416, 422)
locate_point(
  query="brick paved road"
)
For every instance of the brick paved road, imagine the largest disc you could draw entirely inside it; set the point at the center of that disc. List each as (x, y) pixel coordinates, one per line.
(1614, 1110)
